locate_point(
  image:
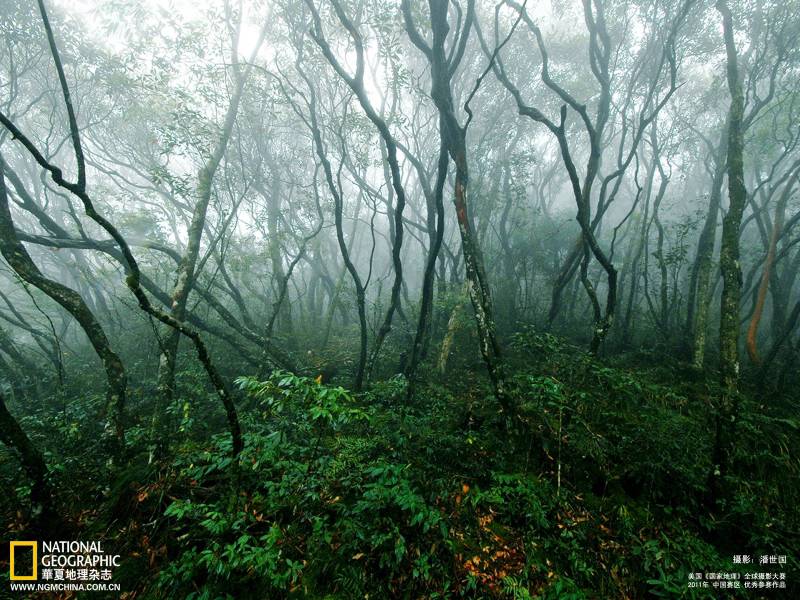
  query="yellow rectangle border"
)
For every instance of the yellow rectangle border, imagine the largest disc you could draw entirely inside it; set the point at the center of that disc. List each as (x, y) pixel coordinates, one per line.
(35, 547)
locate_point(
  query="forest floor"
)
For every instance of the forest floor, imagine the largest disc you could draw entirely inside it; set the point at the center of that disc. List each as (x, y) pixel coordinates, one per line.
(597, 488)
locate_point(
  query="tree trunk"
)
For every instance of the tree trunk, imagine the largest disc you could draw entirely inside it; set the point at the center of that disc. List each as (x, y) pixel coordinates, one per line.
(450, 334)
(453, 135)
(185, 276)
(338, 219)
(731, 224)
(761, 296)
(777, 227)
(425, 322)
(729, 265)
(18, 258)
(42, 498)
(697, 317)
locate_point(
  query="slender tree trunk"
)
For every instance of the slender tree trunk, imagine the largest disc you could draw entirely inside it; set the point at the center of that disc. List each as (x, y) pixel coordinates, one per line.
(508, 290)
(565, 275)
(450, 334)
(664, 281)
(424, 324)
(453, 135)
(18, 258)
(781, 293)
(29, 367)
(790, 325)
(699, 294)
(42, 498)
(729, 264)
(338, 219)
(186, 275)
(777, 227)
(284, 315)
(731, 224)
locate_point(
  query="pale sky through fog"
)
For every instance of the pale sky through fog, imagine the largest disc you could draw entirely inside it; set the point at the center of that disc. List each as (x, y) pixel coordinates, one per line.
(187, 10)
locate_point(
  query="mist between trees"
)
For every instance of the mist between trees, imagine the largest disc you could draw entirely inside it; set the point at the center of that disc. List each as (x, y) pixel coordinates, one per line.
(336, 297)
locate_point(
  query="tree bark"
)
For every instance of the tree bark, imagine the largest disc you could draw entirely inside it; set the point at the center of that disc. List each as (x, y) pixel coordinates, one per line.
(453, 135)
(186, 272)
(777, 227)
(18, 258)
(134, 277)
(42, 499)
(737, 195)
(729, 265)
(698, 302)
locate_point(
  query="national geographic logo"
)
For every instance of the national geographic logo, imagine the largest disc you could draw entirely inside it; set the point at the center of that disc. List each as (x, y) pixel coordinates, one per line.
(60, 566)
(61, 561)
(15, 568)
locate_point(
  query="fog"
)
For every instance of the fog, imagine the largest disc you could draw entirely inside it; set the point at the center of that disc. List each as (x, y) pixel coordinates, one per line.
(390, 191)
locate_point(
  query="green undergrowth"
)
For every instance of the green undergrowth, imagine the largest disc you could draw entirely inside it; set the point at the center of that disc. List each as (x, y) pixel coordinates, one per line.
(596, 488)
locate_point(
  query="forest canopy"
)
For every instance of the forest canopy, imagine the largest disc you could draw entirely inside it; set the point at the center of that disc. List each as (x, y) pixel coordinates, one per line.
(402, 298)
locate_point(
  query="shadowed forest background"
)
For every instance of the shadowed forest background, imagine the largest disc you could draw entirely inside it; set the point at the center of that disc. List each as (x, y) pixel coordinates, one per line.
(403, 299)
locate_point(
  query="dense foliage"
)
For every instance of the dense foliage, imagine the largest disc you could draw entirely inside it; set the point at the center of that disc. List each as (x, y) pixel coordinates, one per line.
(595, 490)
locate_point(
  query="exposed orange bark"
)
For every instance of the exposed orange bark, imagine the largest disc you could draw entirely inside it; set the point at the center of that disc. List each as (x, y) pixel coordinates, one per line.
(752, 331)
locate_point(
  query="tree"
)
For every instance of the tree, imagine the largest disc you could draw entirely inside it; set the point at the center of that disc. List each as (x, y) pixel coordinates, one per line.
(664, 74)
(18, 258)
(443, 64)
(186, 271)
(42, 497)
(133, 277)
